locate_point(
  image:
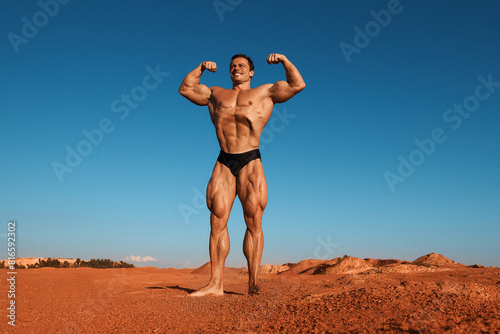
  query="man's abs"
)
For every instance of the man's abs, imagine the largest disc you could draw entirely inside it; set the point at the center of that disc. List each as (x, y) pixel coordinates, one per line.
(237, 130)
(239, 118)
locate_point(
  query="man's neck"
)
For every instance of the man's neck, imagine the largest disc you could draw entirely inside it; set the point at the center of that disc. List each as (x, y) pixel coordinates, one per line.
(241, 86)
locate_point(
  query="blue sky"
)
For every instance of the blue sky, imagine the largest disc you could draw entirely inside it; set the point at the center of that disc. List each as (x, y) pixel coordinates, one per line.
(391, 151)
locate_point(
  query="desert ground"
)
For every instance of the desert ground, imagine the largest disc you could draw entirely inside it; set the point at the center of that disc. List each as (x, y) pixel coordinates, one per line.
(345, 295)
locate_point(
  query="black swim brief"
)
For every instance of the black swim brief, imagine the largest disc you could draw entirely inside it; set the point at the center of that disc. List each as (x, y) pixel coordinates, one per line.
(235, 162)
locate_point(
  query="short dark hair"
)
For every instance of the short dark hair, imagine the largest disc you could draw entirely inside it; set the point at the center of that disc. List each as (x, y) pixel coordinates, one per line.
(239, 55)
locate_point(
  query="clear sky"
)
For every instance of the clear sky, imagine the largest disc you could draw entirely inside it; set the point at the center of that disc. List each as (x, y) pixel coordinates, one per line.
(391, 151)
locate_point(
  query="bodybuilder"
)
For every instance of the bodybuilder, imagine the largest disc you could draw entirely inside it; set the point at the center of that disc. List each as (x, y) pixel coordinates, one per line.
(239, 116)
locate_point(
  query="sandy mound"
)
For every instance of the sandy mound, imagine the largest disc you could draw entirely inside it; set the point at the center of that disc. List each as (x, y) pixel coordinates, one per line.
(354, 265)
(272, 268)
(305, 265)
(382, 263)
(340, 265)
(437, 260)
(203, 270)
(344, 265)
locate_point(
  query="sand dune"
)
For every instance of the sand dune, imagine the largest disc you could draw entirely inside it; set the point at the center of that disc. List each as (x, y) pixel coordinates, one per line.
(353, 265)
(437, 260)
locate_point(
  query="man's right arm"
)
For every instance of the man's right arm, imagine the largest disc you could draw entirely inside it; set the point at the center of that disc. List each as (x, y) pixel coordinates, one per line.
(191, 88)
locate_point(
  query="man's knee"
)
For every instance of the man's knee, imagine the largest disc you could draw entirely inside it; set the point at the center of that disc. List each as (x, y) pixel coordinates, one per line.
(254, 224)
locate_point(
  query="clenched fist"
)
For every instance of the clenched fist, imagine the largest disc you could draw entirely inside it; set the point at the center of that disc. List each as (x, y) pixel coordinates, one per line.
(209, 65)
(275, 58)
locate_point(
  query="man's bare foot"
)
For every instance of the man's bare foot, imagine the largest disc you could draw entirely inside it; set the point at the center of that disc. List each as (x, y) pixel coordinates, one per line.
(253, 290)
(208, 290)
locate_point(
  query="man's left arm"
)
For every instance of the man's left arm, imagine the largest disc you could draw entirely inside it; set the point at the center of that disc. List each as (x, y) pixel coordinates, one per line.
(282, 91)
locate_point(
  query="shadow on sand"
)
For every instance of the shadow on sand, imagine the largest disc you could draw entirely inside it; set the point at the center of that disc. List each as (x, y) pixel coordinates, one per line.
(176, 287)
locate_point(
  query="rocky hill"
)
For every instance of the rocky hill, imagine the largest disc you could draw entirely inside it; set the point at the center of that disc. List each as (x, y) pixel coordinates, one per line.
(354, 265)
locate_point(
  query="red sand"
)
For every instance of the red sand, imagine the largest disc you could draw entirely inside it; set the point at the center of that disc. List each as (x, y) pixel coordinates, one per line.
(389, 296)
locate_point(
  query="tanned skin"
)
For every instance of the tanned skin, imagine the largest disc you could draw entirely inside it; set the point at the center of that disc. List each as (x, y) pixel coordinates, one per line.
(239, 115)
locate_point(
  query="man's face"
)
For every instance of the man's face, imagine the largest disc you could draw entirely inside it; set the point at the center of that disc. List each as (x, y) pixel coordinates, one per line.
(240, 70)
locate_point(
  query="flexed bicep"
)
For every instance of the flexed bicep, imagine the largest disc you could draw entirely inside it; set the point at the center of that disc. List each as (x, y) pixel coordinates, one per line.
(200, 94)
(191, 88)
(281, 91)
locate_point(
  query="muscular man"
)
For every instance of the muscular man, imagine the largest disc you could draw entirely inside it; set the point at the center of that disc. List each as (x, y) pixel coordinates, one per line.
(239, 116)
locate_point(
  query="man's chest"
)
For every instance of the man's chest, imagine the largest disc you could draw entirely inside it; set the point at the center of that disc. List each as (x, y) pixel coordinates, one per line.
(230, 99)
(249, 107)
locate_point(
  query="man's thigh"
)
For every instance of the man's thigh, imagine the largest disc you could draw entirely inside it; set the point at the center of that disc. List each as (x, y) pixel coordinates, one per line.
(221, 191)
(252, 188)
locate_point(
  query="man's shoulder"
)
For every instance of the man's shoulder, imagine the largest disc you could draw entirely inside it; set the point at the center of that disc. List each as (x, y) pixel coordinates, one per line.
(215, 88)
(262, 89)
(219, 91)
(264, 86)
